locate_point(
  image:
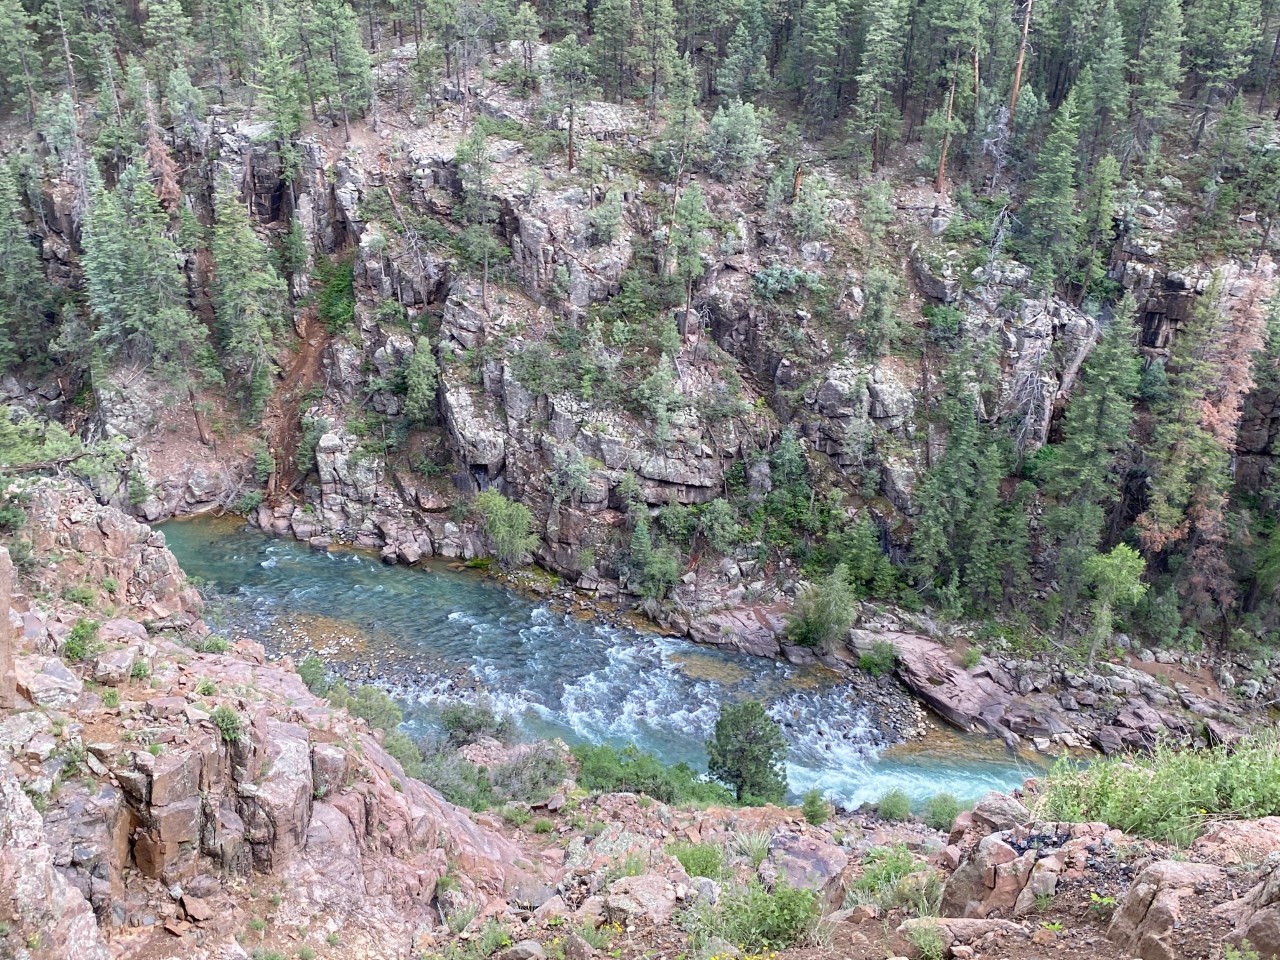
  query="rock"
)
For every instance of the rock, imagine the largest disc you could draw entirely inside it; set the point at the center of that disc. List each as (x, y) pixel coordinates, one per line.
(958, 933)
(524, 950)
(41, 905)
(113, 667)
(575, 948)
(648, 896)
(47, 682)
(10, 634)
(1152, 908)
(807, 863)
(755, 630)
(998, 811)
(196, 909)
(328, 767)
(966, 699)
(1256, 916)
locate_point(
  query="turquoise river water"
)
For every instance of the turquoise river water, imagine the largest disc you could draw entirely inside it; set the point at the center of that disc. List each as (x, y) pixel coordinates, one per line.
(433, 634)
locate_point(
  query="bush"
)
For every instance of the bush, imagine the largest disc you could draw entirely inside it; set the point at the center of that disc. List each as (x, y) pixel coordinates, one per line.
(883, 874)
(517, 816)
(370, 703)
(312, 672)
(336, 300)
(753, 918)
(543, 825)
(748, 752)
(229, 723)
(824, 611)
(928, 941)
(508, 525)
(1170, 794)
(607, 769)
(894, 805)
(941, 810)
(82, 641)
(465, 723)
(734, 141)
(422, 382)
(699, 859)
(814, 808)
(880, 659)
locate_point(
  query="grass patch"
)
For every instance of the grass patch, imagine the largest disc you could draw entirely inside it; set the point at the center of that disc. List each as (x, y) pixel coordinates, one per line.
(895, 806)
(892, 877)
(1170, 794)
(754, 919)
(606, 769)
(941, 810)
(699, 859)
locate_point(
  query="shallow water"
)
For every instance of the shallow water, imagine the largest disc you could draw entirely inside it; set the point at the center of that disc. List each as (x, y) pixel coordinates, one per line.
(434, 634)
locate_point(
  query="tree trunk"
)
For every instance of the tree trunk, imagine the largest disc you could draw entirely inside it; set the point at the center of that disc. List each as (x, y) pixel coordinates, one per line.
(1017, 70)
(946, 133)
(572, 155)
(201, 427)
(1266, 78)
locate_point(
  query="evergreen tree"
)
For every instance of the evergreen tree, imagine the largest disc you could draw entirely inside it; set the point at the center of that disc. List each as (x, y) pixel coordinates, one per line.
(248, 297)
(1048, 215)
(1116, 580)
(1220, 48)
(571, 74)
(610, 45)
(280, 87)
(507, 525)
(748, 752)
(25, 295)
(1082, 477)
(1157, 71)
(876, 120)
(422, 382)
(340, 69)
(654, 49)
(734, 142)
(133, 278)
(477, 209)
(167, 32)
(688, 239)
(877, 325)
(1097, 221)
(1107, 99)
(20, 62)
(824, 611)
(745, 70)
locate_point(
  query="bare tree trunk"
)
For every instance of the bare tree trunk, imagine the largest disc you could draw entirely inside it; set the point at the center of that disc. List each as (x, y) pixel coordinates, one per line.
(201, 427)
(1017, 71)
(946, 133)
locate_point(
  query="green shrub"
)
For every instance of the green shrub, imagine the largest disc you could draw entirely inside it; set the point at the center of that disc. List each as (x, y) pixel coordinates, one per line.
(894, 805)
(82, 641)
(141, 670)
(336, 299)
(466, 723)
(210, 644)
(880, 659)
(82, 593)
(814, 808)
(508, 526)
(517, 816)
(607, 769)
(312, 672)
(493, 937)
(699, 859)
(368, 703)
(1169, 794)
(264, 464)
(543, 825)
(401, 748)
(941, 810)
(111, 698)
(754, 845)
(824, 611)
(229, 723)
(971, 658)
(892, 877)
(927, 939)
(753, 918)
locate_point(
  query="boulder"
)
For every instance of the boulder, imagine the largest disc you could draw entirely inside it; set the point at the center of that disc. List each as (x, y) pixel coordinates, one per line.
(648, 896)
(113, 667)
(1145, 921)
(1256, 915)
(807, 863)
(47, 682)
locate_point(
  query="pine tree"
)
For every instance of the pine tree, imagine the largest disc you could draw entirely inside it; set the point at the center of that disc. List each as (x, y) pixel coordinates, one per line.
(876, 118)
(1048, 215)
(745, 69)
(422, 382)
(477, 209)
(280, 87)
(571, 74)
(1108, 99)
(734, 142)
(1097, 221)
(167, 32)
(25, 295)
(133, 278)
(682, 132)
(1116, 580)
(688, 239)
(1220, 48)
(820, 57)
(339, 65)
(1082, 476)
(610, 45)
(877, 325)
(749, 753)
(1157, 71)
(20, 61)
(248, 297)
(654, 50)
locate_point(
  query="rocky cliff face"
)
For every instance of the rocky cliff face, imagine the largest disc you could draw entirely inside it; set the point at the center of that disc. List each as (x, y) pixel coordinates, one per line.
(172, 778)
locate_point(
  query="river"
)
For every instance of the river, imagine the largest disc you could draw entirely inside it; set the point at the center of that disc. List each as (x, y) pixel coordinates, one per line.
(434, 633)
